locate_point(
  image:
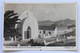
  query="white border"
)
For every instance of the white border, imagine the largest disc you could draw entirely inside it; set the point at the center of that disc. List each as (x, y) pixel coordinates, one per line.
(43, 48)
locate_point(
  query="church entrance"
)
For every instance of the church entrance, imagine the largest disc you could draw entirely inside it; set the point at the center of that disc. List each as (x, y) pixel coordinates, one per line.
(28, 33)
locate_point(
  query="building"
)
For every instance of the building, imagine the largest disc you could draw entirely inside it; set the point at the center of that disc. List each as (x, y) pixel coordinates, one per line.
(29, 27)
(47, 31)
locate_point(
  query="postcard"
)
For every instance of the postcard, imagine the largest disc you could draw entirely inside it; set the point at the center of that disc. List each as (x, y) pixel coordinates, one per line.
(39, 26)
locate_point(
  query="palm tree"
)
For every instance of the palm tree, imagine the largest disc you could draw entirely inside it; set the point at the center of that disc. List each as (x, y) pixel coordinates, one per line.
(10, 20)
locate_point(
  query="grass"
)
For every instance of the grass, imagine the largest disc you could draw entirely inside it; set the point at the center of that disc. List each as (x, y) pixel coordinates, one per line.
(39, 41)
(69, 42)
(64, 43)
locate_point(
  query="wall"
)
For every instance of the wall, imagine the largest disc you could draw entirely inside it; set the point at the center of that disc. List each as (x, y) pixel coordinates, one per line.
(30, 21)
(46, 35)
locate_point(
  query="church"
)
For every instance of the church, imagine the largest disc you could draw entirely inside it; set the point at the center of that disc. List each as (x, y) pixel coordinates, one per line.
(29, 28)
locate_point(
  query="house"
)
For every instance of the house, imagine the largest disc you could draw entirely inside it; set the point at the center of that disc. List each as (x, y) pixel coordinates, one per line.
(47, 31)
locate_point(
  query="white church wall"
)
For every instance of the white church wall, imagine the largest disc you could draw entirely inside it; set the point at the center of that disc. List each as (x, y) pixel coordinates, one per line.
(30, 21)
(27, 24)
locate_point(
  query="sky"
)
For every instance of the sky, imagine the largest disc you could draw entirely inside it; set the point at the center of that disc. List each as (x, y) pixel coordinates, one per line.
(43, 12)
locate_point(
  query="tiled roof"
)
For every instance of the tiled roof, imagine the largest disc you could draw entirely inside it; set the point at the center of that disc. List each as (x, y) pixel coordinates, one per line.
(47, 27)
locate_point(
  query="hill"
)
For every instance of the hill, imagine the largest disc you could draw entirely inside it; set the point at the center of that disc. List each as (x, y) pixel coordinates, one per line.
(60, 23)
(46, 23)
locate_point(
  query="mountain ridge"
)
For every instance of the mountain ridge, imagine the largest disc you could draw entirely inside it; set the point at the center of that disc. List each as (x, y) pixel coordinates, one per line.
(59, 23)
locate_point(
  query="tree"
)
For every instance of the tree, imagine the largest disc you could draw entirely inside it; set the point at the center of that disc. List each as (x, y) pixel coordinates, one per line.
(10, 20)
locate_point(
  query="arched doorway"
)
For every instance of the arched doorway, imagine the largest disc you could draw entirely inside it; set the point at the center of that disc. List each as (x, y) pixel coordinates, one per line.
(28, 33)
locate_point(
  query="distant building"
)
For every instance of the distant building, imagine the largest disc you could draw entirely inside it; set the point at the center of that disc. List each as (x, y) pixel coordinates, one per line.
(47, 31)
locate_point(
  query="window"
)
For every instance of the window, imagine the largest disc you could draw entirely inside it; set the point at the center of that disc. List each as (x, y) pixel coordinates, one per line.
(39, 36)
(40, 32)
(50, 33)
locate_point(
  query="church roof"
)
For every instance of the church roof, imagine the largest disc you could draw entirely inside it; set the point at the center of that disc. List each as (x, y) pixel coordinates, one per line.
(47, 27)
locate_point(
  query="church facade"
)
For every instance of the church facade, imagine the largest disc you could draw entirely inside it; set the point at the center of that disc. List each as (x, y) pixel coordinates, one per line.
(28, 26)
